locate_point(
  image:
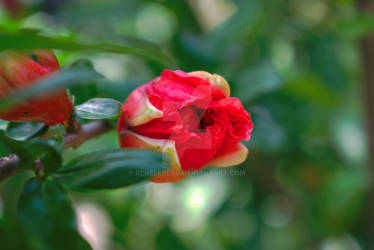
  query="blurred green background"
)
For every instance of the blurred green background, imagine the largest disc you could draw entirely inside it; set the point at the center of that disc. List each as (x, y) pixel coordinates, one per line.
(295, 65)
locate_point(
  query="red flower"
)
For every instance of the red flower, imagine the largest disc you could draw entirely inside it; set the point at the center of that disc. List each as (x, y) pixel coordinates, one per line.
(188, 116)
(19, 70)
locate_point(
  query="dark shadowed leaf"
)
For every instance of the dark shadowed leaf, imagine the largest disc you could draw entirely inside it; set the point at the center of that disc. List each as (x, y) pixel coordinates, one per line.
(167, 239)
(47, 153)
(99, 108)
(111, 169)
(22, 131)
(18, 148)
(46, 212)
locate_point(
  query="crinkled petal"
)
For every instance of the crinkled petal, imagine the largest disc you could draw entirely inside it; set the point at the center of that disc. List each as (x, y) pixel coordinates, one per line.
(181, 90)
(196, 149)
(240, 126)
(181, 76)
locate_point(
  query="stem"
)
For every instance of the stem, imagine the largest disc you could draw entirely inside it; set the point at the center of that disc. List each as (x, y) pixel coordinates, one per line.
(9, 164)
(85, 133)
(72, 125)
(367, 54)
(38, 167)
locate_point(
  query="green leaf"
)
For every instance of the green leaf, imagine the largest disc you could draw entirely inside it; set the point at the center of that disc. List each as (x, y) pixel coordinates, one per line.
(46, 212)
(34, 39)
(21, 131)
(47, 153)
(64, 79)
(111, 169)
(57, 141)
(99, 108)
(18, 148)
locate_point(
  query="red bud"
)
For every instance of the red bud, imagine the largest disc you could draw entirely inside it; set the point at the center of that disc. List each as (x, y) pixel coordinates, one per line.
(19, 70)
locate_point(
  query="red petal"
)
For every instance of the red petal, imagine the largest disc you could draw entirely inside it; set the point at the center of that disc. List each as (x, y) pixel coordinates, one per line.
(137, 109)
(161, 128)
(47, 59)
(5, 88)
(130, 139)
(19, 71)
(51, 110)
(217, 81)
(240, 125)
(182, 90)
(181, 76)
(230, 157)
(195, 150)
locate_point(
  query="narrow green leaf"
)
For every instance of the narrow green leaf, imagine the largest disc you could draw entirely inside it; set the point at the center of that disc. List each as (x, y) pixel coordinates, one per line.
(46, 213)
(64, 79)
(21, 131)
(111, 169)
(34, 39)
(99, 108)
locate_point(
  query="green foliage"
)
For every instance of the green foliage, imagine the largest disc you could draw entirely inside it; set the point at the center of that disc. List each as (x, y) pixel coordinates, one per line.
(111, 169)
(99, 108)
(33, 39)
(45, 151)
(17, 148)
(46, 213)
(22, 131)
(29, 151)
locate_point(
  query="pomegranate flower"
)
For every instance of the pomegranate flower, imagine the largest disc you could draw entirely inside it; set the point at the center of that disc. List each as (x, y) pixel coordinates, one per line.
(188, 116)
